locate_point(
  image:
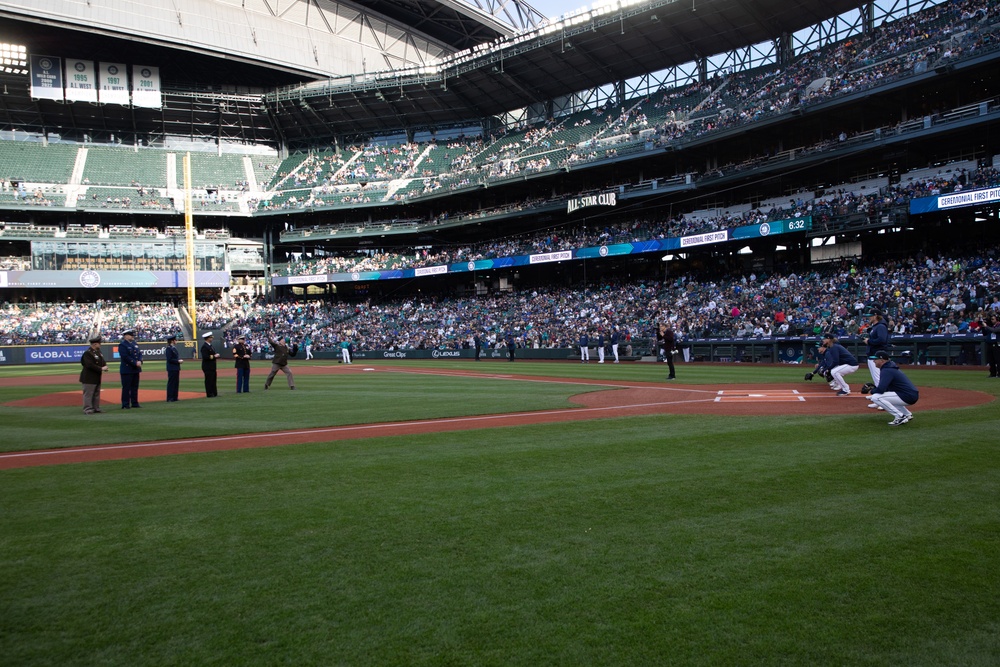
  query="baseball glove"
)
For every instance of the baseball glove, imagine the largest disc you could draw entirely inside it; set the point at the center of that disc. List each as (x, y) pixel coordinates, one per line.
(867, 388)
(809, 376)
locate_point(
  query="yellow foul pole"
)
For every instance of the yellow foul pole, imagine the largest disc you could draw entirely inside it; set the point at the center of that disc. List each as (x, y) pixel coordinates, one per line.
(189, 250)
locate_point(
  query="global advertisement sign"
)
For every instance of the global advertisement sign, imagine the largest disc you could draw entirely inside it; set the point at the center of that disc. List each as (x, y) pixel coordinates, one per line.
(54, 354)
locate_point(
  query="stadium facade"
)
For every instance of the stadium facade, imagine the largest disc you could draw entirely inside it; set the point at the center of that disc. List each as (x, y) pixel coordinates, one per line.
(324, 130)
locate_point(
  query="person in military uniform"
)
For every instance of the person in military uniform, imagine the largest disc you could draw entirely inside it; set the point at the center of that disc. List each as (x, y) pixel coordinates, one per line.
(131, 367)
(174, 362)
(279, 362)
(208, 366)
(94, 368)
(242, 354)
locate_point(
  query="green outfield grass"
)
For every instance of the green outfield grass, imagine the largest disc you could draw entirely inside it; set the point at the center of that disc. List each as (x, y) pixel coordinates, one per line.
(675, 539)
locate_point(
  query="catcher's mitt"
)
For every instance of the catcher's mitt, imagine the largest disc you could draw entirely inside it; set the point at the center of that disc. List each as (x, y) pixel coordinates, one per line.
(809, 376)
(867, 388)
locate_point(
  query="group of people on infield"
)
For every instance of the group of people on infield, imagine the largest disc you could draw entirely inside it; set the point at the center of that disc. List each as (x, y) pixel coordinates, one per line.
(130, 355)
(890, 390)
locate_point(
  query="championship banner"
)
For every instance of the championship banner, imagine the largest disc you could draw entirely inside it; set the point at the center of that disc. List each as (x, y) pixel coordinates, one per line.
(81, 81)
(113, 84)
(146, 87)
(46, 78)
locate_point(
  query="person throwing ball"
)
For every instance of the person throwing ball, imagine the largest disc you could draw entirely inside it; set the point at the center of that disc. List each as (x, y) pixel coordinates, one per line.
(895, 392)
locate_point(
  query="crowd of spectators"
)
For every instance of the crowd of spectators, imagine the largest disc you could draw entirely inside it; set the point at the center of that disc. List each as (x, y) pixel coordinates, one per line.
(924, 294)
(823, 208)
(35, 323)
(921, 294)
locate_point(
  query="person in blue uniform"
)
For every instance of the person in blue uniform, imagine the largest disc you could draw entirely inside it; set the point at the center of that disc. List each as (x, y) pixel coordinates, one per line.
(615, 337)
(477, 341)
(242, 355)
(878, 340)
(584, 347)
(208, 366)
(895, 392)
(600, 346)
(840, 362)
(174, 362)
(511, 346)
(131, 367)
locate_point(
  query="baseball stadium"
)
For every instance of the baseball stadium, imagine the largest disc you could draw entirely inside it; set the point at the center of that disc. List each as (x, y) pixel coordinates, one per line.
(644, 332)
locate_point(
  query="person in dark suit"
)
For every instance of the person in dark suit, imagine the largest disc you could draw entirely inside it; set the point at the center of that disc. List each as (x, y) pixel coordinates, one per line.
(131, 367)
(94, 368)
(511, 346)
(208, 366)
(242, 354)
(174, 362)
(669, 345)
(477, 341)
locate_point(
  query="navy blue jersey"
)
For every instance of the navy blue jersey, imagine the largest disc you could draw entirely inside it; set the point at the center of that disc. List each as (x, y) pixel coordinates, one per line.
(892, 379)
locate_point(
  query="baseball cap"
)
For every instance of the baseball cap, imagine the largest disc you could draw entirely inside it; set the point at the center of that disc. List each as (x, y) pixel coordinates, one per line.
(881, 354)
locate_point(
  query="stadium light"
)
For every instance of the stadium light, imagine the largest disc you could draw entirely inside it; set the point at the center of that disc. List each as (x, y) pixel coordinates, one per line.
(13, 58)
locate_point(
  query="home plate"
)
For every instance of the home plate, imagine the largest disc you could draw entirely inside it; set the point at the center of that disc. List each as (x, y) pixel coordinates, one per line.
(756, 396)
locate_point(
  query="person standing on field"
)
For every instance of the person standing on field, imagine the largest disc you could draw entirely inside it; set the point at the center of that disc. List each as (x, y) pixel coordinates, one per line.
(279, 362)
(94, 368)
(209, 367)
(878, 341)
(242, 355)
(131, 367)
(669, 343)
(174, 362)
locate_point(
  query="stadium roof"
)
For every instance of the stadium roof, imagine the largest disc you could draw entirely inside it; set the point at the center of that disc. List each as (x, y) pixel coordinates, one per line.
(582, 52)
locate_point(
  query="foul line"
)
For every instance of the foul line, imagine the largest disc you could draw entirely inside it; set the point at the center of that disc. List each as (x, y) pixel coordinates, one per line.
(337, 429)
